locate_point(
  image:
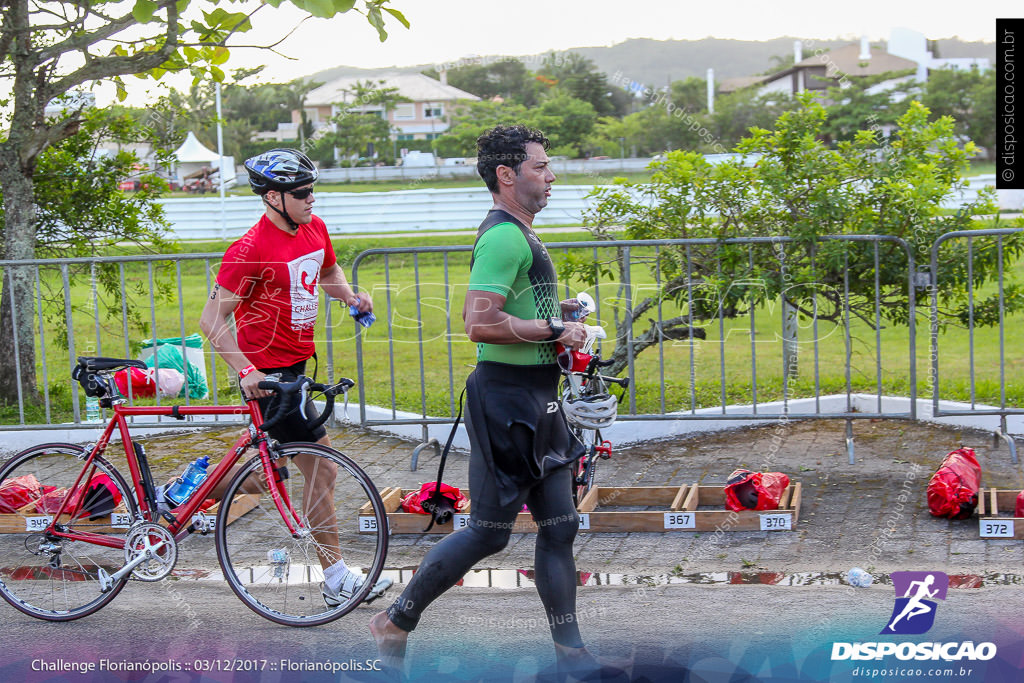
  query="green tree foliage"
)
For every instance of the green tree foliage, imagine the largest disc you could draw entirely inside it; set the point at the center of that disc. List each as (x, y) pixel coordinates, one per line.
(736, 113)
(508, 79)
(567, 121)
(970, 98)
(864, 103)
(81, 212)
(579, 77)
(470, 119)
(690, 95)
(358, 136)
(789, 183)
(292, 97)
(361, 128)
(655, 130)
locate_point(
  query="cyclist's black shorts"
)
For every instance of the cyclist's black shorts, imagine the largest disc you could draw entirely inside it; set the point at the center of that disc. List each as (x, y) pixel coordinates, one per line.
(515, 421)
(291, 427)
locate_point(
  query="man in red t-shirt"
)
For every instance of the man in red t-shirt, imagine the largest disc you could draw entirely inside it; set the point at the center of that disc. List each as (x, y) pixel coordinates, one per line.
(268, 282)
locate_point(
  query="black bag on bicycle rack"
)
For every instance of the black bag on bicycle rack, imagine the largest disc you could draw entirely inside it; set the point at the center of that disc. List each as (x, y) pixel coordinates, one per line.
(94, 385)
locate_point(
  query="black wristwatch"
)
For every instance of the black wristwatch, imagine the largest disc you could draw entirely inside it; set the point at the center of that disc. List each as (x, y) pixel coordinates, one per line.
(557, 328)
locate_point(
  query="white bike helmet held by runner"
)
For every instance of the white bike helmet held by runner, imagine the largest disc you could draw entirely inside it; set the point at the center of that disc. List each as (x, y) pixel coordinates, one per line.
(591, 412)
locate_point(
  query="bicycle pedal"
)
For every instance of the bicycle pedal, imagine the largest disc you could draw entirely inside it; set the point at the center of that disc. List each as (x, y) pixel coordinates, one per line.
(204, 523)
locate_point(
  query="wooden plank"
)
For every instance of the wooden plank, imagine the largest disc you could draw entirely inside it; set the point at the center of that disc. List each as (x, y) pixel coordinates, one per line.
(692, 498)
(242, 504)
(524, 523)
(677, 502)
(638, 495)
(413, 523)
(627, 521)
(712, 495)
(393, 499)
(600, 505)
(995, 502)
(589, 501)
(784, 498)
(1007, 499)
(367, 507)
(795, 503)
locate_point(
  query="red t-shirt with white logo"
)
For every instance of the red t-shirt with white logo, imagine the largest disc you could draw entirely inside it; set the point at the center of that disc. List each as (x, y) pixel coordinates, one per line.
(276, 274)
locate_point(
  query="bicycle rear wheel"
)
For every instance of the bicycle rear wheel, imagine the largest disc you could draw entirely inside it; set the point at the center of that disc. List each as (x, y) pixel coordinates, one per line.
(54, 578)
(278, 575)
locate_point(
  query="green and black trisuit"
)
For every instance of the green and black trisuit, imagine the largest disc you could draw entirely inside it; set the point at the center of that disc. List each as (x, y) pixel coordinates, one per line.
(520, 443)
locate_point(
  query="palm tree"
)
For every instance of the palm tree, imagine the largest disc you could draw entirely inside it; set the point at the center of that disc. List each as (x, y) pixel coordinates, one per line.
(293, 97)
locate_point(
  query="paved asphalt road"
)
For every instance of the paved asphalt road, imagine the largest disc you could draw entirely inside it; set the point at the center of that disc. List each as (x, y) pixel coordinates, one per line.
(688, 611)
(676, 632)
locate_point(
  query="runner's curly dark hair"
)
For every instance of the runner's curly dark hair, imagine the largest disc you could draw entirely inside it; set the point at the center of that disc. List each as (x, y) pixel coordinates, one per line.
(504, 146)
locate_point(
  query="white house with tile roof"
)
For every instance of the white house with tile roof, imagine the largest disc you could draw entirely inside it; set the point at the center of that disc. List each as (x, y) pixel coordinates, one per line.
(423, 117)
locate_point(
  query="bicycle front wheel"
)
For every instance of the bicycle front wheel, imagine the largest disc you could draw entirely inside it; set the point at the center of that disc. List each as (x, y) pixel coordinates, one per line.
(50, 577)
(337, 515)
(585, 467)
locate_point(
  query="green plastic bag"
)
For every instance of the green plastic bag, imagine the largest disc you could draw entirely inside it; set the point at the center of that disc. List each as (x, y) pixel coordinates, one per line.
(168, 352)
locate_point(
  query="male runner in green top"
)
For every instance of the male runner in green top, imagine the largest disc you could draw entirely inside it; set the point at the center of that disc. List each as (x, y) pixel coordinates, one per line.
(520, 444)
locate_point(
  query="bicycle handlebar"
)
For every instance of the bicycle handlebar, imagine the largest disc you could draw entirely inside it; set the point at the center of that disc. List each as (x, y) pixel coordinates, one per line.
(288, 392)
(621, 381)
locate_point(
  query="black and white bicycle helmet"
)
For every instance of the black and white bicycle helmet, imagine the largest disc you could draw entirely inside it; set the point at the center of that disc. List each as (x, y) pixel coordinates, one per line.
(280, 170)
(591, 412)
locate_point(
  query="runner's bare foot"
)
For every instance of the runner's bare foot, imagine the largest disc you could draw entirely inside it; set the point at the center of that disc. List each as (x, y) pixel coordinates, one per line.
(391, 641)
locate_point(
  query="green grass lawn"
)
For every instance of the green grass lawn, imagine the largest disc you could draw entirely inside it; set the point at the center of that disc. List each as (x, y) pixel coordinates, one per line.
(979, 167)
(417, 294)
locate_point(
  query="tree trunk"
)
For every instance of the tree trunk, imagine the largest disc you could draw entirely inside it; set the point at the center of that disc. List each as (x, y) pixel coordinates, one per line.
(16, 322)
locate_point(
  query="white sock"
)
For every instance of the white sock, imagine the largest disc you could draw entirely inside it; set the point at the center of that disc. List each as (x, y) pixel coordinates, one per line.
(335, 574)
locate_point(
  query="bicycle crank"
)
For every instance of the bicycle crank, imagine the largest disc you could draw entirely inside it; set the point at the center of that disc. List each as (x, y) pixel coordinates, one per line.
(150, 553)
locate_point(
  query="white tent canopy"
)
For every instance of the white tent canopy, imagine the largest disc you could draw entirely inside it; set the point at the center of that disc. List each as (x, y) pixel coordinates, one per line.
(194, 156)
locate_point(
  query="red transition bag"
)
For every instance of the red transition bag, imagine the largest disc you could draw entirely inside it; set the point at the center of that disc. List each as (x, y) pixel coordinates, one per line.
(1019, 511)
(141, 381)
(413, 501)
(51, 499)
(953, 489)
(99, 499)
(746, 490)
(19, 492)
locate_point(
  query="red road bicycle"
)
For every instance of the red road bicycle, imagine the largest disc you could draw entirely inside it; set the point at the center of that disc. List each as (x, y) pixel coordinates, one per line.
(79, 532)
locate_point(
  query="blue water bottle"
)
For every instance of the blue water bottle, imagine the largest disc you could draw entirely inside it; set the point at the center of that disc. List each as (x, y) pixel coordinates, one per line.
(185, 485)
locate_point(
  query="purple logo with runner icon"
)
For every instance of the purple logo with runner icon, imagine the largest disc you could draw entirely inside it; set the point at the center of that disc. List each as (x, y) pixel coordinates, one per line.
(916, 593)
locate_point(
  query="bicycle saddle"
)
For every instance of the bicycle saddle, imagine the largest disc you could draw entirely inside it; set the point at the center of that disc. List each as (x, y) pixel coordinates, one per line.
(100, 363)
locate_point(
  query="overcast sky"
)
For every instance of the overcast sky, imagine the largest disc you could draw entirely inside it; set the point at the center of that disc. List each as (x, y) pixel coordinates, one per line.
(446, 30)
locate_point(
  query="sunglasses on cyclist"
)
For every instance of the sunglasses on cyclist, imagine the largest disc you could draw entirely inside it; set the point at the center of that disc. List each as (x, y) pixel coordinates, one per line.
(301, 194)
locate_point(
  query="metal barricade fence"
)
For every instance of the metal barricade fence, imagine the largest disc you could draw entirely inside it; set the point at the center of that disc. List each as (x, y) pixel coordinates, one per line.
(700, 376)
(967, 347)
(105, 306)
(413, 362)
